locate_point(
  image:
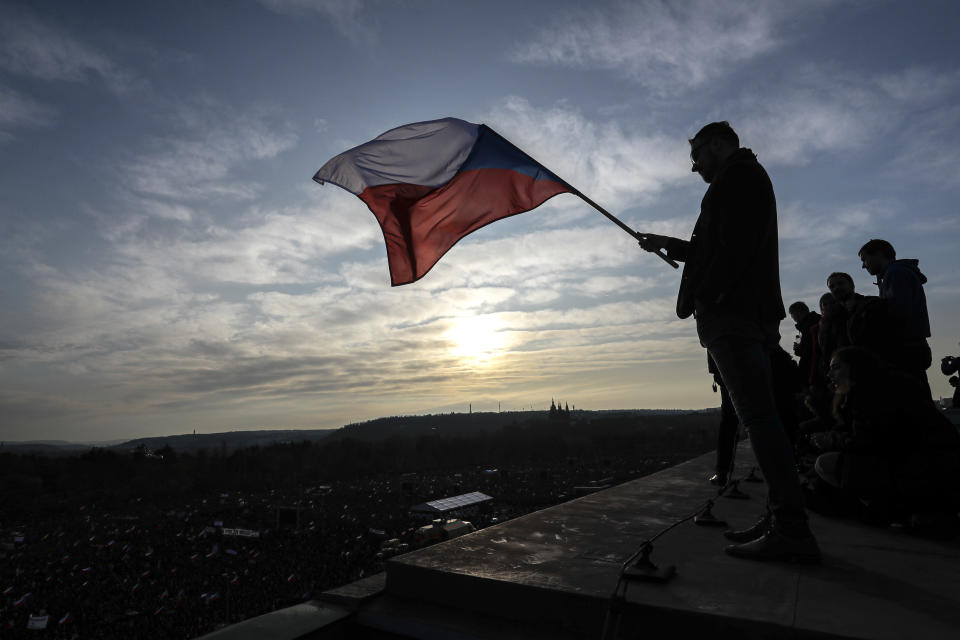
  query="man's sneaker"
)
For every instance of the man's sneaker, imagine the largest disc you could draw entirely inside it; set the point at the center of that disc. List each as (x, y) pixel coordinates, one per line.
(774, 545)
(719, 479)
(747, 535)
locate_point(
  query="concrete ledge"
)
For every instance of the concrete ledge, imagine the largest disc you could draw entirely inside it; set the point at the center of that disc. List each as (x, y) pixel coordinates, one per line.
(355, 594)
(300, 622)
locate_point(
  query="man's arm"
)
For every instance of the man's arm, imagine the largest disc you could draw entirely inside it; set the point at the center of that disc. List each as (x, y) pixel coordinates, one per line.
(897, 291)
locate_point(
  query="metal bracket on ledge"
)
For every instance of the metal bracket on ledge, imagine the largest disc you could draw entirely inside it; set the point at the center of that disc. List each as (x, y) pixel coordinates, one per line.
(706, 518)
(644, 570)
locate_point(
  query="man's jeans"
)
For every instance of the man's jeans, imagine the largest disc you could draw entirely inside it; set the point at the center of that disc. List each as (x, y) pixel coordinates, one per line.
(744, 364)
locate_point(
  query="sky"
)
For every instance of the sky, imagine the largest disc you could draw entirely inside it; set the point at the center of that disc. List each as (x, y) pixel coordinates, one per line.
(168, 265)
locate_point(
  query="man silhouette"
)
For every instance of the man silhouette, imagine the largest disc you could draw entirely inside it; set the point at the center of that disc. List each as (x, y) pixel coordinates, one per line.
(901, 285)
(731, 285)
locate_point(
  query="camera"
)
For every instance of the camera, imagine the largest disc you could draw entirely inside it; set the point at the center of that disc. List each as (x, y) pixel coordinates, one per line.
(950, 365)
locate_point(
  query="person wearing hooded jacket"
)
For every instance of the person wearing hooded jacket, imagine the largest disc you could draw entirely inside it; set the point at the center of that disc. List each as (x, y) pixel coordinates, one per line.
(901, 286)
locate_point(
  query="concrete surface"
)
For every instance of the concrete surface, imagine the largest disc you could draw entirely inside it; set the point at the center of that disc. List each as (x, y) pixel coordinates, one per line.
(557, 569)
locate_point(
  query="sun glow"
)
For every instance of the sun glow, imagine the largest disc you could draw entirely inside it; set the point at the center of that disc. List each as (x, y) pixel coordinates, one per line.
(477, 339)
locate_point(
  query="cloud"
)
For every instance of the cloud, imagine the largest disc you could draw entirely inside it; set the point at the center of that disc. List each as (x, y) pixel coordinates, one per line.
(30, 47)
(820, 109)
(615, 166)
(18, 110)
(261, 247)
(823, 224)
(208, 141)
(930, 147)
(347, 16)
(141, 326)
(666, 47)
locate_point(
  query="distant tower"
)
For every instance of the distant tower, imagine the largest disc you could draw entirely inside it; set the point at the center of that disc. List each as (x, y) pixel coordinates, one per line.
(470, 408)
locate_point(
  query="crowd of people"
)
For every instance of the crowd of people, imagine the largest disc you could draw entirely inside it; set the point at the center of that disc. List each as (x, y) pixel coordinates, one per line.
(857, 407)
(181, 568)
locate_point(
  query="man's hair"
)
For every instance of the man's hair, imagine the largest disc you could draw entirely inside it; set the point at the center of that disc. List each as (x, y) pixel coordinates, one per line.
(878, 247)
(799, 305)
(719, 130)
(840, 274)
(827, 297)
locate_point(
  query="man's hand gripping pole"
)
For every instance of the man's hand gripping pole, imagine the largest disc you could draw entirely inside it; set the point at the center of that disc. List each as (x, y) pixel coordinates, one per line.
(640, 237)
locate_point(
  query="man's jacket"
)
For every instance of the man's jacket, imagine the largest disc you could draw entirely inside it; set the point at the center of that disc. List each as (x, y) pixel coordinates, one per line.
(902, 287)
(731, 260)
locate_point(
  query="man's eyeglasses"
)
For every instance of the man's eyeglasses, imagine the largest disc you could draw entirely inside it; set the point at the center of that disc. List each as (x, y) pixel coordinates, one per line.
(694, 154)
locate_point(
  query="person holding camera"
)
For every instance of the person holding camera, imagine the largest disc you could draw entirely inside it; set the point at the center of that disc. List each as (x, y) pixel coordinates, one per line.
(949, 365)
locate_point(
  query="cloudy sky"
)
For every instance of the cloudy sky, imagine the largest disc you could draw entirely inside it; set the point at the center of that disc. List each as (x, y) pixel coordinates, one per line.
(167, 263)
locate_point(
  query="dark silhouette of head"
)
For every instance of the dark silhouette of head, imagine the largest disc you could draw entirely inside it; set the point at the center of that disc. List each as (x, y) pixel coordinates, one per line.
(799, 310)
(875, 255)
(840, 285)
(852, 366)
(710, 147)
(829, 306)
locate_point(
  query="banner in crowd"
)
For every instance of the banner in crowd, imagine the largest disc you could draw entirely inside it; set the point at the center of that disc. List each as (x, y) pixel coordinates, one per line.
(37, 622)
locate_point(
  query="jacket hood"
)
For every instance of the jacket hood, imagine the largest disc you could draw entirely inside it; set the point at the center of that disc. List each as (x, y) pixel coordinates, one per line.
(911, 264)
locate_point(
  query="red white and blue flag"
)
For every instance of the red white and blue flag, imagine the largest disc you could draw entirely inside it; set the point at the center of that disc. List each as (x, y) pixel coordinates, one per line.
(431, 183)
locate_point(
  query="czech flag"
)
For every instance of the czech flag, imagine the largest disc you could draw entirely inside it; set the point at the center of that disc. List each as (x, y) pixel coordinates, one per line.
(429, 184)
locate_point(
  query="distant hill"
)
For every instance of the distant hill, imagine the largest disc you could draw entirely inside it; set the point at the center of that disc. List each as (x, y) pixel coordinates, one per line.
(470, 424)
(229, 440)
(448, 424)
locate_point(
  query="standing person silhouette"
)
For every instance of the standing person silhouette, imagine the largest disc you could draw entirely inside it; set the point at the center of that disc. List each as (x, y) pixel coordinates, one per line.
(731, 285)
(901, 285)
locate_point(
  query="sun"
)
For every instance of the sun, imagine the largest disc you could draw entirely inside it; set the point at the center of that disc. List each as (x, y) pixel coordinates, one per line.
(478, 339)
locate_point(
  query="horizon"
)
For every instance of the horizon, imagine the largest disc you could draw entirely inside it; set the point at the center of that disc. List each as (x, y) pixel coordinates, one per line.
(349, 424)
(168, 260)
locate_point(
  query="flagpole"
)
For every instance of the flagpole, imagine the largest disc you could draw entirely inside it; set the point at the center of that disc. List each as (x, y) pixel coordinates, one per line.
(614, 219)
